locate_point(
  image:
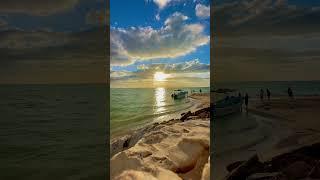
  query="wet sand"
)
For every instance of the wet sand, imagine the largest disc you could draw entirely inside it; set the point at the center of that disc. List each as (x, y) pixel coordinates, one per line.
(291, 124)
(174, 149)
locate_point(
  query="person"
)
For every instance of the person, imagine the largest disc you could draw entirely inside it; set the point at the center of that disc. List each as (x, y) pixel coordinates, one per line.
(290, 93)
(200, 91)
(240, 99)
(268, 94)
(246, 101)
(261, 94)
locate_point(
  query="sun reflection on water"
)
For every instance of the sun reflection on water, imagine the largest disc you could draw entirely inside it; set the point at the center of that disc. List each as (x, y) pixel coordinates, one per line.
(160, 100)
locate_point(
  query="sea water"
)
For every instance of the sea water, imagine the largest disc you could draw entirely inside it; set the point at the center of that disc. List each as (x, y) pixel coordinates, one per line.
(53, 132)
(134, 108)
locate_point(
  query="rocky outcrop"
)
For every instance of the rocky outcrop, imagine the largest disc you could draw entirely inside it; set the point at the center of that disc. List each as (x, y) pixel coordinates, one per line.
(303, 163)
(175, 149)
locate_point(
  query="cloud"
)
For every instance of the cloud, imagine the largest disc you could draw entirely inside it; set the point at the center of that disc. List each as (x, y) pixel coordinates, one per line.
(188, 66)
(176, 38)
(23, 40)
(255, 37)
(188, 69)
(118, 75)
(163, 3)
(58, 57)
(186, 74)
(202, 11)
(158, 17)
(264, 17)
(37, 7)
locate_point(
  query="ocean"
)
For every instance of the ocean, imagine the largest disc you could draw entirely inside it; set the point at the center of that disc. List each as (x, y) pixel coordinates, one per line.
(134, 108)
(277, 88)
(53, 132)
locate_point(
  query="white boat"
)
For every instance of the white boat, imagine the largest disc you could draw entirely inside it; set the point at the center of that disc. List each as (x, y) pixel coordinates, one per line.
(229, 105)
(179, 94)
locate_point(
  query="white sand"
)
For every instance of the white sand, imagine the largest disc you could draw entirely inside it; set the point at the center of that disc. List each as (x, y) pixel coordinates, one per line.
(170, 150)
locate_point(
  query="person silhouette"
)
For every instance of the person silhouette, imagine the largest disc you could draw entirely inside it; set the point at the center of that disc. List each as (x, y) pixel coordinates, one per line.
(246, 101)
(268, 94)
(261, 94)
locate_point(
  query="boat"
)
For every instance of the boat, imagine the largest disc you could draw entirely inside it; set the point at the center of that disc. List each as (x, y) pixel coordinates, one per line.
(230, 104)
(179, 94)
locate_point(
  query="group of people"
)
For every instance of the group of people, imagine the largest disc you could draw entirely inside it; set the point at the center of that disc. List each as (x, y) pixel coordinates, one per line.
(262, 94)
(246, 97)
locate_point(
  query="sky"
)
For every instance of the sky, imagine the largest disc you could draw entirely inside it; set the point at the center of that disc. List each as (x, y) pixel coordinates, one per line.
(52, 42)
(266, 40)
(159, 43)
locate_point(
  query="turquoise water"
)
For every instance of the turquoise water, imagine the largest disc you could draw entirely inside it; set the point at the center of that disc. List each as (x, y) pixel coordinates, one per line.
(132, 108)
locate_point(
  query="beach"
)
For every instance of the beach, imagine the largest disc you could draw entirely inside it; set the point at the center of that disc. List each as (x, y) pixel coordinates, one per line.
(288, 125)
(174, 149)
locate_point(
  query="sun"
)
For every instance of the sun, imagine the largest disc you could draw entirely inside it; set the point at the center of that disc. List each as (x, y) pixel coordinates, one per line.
(160, 76)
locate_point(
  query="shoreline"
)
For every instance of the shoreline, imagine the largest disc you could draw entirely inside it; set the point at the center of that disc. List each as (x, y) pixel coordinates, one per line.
(196, 104)
(175, 149)
(295, 126)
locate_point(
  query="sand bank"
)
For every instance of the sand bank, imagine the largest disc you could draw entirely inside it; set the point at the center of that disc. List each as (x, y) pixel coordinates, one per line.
(175, 149)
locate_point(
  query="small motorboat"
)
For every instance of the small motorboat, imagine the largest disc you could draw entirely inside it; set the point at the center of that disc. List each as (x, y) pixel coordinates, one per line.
(179, 94)
(230, 104)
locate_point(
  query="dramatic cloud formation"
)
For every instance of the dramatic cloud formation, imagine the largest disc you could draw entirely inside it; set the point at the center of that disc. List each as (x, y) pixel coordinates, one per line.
(174, 39)
(188, 66)
(58, 57)
(37, 7)
(264, 17)
(202, 11)
(186, 74)
(255, 37)
(188, 69)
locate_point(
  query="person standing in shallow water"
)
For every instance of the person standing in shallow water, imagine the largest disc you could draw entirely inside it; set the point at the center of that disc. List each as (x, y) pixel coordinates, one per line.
(246, 101)
(261, 94)
(268, 94)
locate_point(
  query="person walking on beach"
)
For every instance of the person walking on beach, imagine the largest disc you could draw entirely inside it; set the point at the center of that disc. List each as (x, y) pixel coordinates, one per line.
(246, 101)
(261, 94)
(290, 93)
(268, 94)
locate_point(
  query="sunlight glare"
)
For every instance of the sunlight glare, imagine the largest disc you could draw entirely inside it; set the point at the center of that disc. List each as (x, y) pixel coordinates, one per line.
(160, 76)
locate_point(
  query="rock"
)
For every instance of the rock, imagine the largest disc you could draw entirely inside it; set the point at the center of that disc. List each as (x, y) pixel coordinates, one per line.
(297, 170)
(315, 173)
(201, 111)
(206, 172)
(126, 143)
(185, 116)
(263, 176)
(245, 169)
(234, 165)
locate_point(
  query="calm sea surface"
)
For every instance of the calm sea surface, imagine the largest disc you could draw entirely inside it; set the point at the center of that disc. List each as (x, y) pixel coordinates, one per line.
(132, 108)
(53, 132)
